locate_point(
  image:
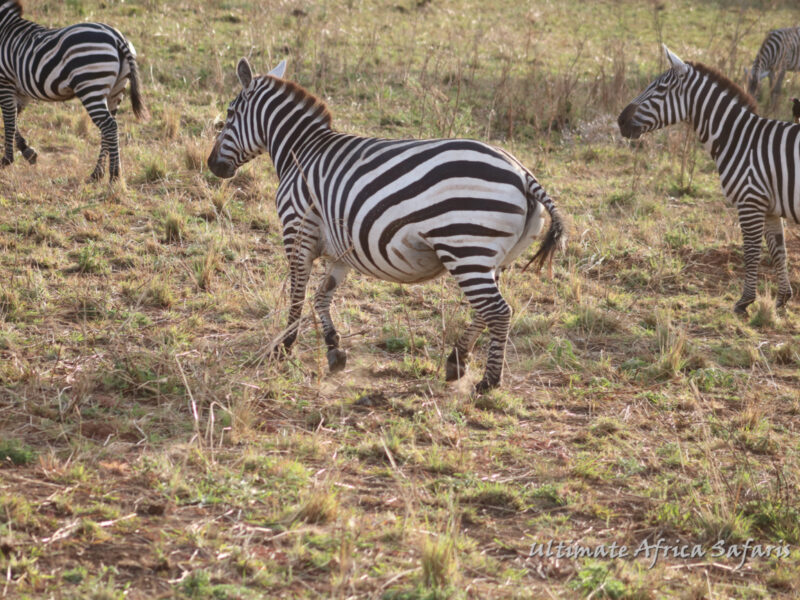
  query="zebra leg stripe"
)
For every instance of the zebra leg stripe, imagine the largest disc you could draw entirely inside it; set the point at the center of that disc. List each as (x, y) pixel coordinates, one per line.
(109, 144)
(336, 273)
(22, 144)
(773, 230)
(456, 364)
(8, 105)
(481, 290)
(751, 220)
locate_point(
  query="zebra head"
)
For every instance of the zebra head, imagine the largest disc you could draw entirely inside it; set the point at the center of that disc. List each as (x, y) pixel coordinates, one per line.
(239, 141)
(660, 104)
(753, 76)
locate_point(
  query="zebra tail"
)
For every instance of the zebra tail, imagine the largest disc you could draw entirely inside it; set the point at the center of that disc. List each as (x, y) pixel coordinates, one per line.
(139, 109)
(556, 237)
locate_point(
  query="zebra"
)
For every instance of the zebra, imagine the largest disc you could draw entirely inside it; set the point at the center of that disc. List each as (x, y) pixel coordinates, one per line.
(757, 158)
(402, 211)
(779, 52)
(89, 60)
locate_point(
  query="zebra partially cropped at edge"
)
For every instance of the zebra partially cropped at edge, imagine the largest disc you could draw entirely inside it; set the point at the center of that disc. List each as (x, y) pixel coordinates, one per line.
(779, 52)
(400, 210)
(758, 159)
(92, 61)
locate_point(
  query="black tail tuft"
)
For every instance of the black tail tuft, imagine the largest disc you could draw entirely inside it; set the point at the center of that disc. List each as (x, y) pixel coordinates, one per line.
(139, 109)
(555, 239)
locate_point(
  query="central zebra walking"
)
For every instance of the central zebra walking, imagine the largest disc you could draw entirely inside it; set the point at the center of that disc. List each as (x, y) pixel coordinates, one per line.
(89, 60)
(758, 159)
(400, 210)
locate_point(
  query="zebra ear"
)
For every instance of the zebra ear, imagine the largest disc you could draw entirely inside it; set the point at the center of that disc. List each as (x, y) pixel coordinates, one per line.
(244, 72)
(674, 62)
(279, 70)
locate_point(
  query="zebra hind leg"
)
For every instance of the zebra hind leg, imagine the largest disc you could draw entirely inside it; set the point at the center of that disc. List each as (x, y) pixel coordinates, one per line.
(777, 250)
(751, 220)
(109, 145)
(480, 288)
(337, 271)
(456, 365)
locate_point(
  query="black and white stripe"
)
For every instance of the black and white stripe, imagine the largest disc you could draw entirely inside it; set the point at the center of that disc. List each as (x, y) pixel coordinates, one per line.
(779, 52)
(757, 158)
(399, 210)
(90, 61)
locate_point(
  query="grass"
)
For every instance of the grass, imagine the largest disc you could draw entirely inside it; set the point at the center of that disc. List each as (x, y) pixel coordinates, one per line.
(151, 447)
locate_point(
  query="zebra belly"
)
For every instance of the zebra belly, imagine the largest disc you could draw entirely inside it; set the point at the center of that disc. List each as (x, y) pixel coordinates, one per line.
(415, 259)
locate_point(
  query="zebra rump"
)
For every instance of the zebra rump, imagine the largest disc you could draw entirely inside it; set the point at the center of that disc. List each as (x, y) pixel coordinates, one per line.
(90, 61)
(399, 210)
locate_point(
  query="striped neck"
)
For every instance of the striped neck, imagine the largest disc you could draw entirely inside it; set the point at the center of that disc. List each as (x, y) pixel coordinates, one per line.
(717, 108)
(291, 119)
(10, 9)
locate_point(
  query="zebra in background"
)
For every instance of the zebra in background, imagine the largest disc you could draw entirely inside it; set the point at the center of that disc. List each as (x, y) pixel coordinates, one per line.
(89, 60)
(400, 210)
(757, 158)
(780, 52)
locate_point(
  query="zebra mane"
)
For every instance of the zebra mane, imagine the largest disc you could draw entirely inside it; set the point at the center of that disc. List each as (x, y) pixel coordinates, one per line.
(726, 84)
(309, 100)
(14, 5)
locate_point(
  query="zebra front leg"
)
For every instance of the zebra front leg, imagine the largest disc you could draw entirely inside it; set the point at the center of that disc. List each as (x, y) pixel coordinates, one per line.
(456, 365)
(480, 288)
(8, 105)
(300, 264)
(27, 152)
(773, 230)
(337, 358)
(751, 220)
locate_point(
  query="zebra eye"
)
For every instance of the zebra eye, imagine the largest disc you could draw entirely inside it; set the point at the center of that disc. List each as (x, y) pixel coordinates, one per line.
(230, 114)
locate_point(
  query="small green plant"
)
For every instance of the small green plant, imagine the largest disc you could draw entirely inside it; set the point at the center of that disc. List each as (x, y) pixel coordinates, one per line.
(439, 562)
(594, 579)
(174, 228)
(16, 452)
(90, 259)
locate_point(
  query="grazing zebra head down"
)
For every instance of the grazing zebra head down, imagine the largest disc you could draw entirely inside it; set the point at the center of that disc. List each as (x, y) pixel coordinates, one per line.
(779, 52)
(400, 210)
(757, 159)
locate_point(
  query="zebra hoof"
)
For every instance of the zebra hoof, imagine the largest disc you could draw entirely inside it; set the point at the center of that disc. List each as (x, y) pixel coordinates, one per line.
(454, 371)
(484, 385)
(30, 155)
(740, 308)
(455, 367)
(279, 352)
(337, 359)
(782, 300)
(5, 161)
